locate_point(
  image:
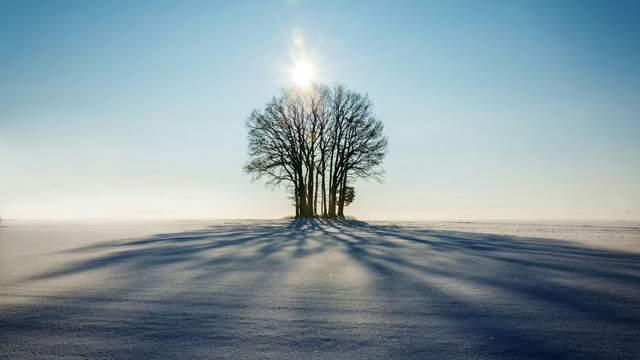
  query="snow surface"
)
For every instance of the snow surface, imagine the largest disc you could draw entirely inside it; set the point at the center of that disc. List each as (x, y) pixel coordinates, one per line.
(319, 290)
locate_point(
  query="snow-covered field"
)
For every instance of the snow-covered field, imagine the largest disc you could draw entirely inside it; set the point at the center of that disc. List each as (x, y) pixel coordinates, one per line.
(315, 289)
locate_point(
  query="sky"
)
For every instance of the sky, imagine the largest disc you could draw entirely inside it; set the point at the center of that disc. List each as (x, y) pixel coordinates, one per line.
(494, 110)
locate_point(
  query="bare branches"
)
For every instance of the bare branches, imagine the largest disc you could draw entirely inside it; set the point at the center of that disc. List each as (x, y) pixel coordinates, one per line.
(323, 137)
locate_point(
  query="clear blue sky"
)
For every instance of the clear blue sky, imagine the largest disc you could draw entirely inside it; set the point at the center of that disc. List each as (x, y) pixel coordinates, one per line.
(494, 110)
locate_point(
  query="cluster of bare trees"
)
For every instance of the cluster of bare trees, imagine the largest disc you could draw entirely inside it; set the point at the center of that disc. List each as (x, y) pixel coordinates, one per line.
(316, 142)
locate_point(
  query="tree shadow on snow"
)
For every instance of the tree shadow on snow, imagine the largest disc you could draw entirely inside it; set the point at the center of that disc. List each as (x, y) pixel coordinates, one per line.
(427, 293)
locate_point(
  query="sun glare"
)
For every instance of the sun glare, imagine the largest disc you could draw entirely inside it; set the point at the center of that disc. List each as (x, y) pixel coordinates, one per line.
(303, 73)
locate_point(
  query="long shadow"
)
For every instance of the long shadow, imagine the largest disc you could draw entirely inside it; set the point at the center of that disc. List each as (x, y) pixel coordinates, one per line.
(526, 271)
(222, 291)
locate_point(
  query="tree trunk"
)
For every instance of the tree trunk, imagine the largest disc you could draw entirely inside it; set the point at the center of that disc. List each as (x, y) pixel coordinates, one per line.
(302, 195)
(332, 197)
(310, 191)
(315, 197)
(324, 196)
(295, 194)
(332, 201)
(343, 191)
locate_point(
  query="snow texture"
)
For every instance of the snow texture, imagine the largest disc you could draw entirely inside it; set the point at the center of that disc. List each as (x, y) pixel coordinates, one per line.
(319, 290)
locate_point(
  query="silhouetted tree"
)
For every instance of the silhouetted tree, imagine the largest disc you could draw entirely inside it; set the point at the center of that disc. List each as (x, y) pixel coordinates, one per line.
(314, 141)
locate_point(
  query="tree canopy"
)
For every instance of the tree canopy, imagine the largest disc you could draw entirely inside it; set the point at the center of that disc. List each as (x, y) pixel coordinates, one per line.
(315, 142)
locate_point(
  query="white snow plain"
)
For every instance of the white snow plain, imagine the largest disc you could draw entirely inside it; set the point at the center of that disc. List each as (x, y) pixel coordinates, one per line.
(317, 289)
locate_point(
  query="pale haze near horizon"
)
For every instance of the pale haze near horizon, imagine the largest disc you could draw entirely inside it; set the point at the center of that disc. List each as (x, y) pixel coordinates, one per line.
(500, 110)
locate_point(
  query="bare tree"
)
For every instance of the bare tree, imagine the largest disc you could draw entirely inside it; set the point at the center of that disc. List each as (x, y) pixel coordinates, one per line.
(313, 141)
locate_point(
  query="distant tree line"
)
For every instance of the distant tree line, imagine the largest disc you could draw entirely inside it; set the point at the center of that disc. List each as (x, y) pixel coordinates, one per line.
(316, 142)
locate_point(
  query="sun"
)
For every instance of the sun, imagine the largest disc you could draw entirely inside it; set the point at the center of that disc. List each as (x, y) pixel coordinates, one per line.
(303, 73)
